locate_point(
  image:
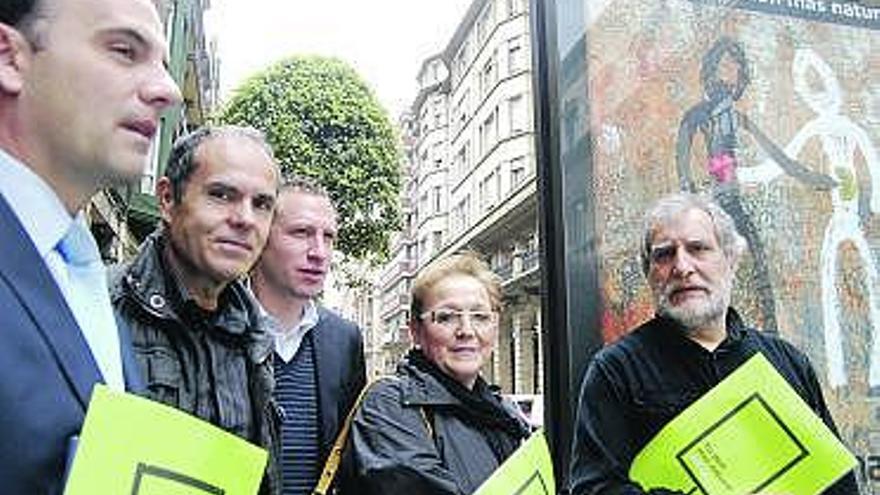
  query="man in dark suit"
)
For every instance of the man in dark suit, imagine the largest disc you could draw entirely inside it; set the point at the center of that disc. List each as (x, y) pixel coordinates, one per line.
(319, 358)
(82, 84)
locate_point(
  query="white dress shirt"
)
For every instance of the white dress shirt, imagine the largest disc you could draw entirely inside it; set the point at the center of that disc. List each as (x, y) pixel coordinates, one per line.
(46, 220)
(288, 340)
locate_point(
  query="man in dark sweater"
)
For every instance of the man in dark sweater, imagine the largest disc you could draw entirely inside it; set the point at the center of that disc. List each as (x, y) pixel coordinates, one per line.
(640, 383)
(319, 358)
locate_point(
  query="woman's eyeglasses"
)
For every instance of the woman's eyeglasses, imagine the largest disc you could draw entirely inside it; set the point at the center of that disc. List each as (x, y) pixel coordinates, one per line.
(452, 318)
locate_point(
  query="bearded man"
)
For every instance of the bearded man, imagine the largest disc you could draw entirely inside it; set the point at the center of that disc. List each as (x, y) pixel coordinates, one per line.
(637, 385)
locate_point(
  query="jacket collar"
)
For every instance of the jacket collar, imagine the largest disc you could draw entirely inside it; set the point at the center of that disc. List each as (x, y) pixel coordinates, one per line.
(422, 389)
(673, 331)
(32, 284)
(153, 287)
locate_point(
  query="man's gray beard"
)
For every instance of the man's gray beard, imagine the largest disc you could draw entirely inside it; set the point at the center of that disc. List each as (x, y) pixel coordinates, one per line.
(692, 319)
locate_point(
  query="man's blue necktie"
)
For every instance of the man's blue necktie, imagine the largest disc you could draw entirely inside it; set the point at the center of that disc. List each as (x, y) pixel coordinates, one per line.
(89, 299)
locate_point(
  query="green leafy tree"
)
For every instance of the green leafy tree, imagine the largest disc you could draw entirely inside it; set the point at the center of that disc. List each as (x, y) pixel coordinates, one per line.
(324, 122)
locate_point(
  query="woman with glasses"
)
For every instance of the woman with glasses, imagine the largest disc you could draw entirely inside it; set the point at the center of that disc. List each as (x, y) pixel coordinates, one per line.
(436, 427)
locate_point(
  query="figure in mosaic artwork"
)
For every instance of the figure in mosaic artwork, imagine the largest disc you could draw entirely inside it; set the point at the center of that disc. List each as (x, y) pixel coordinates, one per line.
(852, 200)
(720, 122)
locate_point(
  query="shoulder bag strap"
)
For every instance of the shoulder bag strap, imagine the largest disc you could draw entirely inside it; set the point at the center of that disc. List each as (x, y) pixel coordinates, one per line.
(328, 474)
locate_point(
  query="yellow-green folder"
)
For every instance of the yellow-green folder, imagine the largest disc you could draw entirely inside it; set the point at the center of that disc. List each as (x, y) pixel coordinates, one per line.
(133, 446)
(528, 471)
(751, 433)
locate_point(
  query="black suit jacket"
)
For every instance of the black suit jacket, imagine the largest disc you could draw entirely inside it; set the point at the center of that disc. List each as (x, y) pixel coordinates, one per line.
(339, 356)
(46, 368)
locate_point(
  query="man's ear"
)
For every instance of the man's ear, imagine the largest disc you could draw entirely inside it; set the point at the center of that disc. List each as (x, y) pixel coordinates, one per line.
(165, 198)
(14, 50)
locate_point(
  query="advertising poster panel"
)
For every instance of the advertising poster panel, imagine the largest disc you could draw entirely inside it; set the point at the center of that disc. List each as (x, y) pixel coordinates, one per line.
(773, 108)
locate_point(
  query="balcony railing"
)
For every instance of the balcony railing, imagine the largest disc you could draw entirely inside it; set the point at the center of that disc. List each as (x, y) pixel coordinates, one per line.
(406, 266)
(520, 263)
(393, 304)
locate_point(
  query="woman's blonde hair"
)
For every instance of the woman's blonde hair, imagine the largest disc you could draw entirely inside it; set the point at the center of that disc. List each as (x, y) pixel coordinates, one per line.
(462, 263)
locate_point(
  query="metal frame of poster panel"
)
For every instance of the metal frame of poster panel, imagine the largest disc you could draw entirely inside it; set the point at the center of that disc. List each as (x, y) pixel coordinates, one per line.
(570, 299)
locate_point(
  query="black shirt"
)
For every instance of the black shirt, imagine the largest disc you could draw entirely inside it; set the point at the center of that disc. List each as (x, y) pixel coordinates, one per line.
(635, 386)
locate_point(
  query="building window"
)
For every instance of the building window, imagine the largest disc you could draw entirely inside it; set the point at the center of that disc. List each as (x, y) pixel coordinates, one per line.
(489, 132)
(514, 55)
(516, 110)
(461, 61)
(457, 218)
(438, 155)
(462, 159)
(513, 7)
(437, 199)
(488, 192)
(498, 183)
(486, 22)
(517, 171)
(461, 111)
(436, 241)
(488, 75)
(461, 214)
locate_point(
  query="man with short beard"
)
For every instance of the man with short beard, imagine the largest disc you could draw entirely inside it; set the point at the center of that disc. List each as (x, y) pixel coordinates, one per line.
(637, 385)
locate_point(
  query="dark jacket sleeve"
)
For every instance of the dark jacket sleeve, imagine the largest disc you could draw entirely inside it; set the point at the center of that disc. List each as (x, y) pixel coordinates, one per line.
(795, 366)
(603, 448)
(848, 484)
(393, 450)
(347, 362)
(358, 376)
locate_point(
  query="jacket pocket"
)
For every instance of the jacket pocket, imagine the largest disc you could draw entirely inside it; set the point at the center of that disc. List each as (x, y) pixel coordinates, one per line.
(164, 377)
